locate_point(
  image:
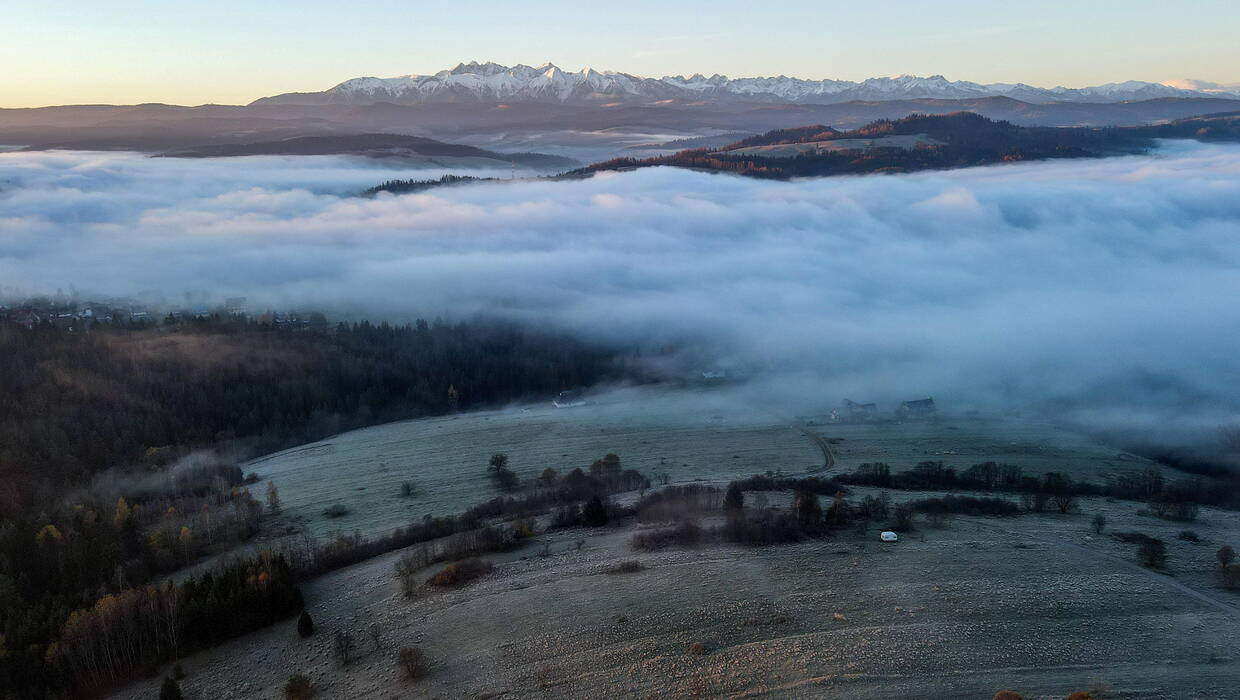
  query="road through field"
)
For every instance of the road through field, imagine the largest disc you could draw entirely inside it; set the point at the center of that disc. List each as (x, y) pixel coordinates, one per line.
(828, 456)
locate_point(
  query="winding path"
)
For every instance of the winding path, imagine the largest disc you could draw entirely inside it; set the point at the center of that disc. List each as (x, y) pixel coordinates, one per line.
(828, 456)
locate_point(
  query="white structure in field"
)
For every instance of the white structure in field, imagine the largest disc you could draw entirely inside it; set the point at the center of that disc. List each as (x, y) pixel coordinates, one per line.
(569, 399)
(888, 536)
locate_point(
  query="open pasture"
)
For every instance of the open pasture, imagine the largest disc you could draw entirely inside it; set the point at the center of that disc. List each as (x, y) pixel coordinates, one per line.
(686, 435)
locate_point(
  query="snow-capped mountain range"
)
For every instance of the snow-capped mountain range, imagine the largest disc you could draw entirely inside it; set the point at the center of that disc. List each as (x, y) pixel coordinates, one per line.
(491, 82)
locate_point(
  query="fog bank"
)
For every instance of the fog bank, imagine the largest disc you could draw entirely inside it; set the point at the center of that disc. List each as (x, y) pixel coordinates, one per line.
(1111, 281)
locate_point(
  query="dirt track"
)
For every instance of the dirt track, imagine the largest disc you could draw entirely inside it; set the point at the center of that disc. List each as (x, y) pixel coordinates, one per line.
(828, 456)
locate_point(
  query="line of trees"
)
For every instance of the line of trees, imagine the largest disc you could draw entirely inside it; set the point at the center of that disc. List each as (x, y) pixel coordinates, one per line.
(127, 634)
(1178, 500)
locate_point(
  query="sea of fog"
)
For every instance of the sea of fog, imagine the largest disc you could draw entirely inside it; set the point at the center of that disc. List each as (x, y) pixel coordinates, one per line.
(1114, 280)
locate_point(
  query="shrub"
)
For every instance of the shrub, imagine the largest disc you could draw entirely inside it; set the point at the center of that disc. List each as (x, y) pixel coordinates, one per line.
(1226, 555)
(966, 505)
(1231, 576)
(1065, 501)
(678, 502)
(734, 499)
(413, 662)
(298, 687)
(178, 672)
(1189, 536)
(170, 690)
(766, 528)
(631, 566)
(697, 649)
(876, 507)
(568, 516)
(902, 517)
(1099, 522)
(1174, 505)
(523, 528)
(1008, 695)
(460, 573)
(1152, 553)
(406, 489)
(305, 626)
(773, 482)
(336, 511)
(594, 513)
(686, 534)
(809, 512)
(1132, 537)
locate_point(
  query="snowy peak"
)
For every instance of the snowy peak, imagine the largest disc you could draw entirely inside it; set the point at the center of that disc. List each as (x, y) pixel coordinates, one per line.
(492, 82)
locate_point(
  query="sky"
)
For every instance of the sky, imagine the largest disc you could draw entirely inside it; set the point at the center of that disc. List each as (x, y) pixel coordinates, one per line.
(234, 51)
(1002, 284)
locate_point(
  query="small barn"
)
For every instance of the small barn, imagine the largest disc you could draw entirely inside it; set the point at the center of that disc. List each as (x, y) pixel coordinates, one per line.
(921, 408)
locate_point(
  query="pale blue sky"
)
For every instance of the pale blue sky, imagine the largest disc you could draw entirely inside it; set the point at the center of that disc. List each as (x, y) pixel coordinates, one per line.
(232, 51)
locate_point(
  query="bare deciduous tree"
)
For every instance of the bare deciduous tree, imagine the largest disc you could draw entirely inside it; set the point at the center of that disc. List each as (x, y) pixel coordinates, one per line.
(344, 645)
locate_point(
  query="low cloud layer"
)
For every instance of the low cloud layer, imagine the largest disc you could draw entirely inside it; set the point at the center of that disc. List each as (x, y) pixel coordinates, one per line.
(1002, 284)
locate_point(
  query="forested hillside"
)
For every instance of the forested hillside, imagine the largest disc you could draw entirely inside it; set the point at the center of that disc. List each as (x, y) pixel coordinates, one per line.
(72, 404)
(955, 140)
(117, 464)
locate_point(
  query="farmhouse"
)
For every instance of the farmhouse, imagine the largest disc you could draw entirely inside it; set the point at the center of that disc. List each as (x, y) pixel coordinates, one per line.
(921, 408)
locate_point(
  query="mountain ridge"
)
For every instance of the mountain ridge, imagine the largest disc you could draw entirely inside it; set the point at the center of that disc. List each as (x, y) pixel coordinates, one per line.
(494, 82)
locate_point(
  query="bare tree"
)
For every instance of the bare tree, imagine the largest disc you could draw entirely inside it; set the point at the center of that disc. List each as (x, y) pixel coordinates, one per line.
(413, 662)
(344, 646)
(902, 516)
(1064, 501)
(407, 568)
(273, 497)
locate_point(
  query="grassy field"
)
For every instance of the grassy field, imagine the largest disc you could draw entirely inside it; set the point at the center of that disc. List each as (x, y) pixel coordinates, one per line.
(692, 435)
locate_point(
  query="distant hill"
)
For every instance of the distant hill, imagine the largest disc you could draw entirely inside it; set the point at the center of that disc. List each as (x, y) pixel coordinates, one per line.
(373, 146)
(556, 128)
(924, 142)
